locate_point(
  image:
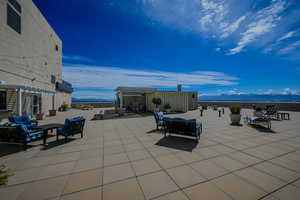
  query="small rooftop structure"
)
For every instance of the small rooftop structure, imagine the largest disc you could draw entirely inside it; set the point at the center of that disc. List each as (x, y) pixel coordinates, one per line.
(139, 99)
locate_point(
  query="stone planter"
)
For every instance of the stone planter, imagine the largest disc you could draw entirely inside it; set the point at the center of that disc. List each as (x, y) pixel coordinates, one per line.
(235, 119)
(52, 113)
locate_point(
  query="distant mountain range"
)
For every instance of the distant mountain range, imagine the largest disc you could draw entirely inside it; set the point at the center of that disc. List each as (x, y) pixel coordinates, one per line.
(253, 98)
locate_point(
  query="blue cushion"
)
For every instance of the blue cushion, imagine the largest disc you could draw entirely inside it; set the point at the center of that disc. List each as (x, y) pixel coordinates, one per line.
(160, 115)
(26, 118)
(23, 128)
(34, 136)
(253, 118)
(17, 120)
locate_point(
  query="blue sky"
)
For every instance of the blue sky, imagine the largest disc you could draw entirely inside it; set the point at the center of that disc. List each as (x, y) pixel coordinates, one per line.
(212, 46)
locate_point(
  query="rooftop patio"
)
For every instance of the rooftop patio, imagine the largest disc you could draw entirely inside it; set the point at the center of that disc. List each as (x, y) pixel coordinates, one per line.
(128, 159)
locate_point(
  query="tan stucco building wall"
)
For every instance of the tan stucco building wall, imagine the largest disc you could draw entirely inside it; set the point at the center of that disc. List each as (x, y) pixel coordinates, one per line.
(32, 57)
(179, 101)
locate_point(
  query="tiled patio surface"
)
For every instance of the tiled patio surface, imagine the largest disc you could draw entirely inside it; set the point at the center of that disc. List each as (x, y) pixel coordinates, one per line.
(125, 159)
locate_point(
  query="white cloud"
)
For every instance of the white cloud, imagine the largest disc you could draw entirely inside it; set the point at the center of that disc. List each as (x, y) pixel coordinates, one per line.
(231, 23)
(76, 58)
(264, 21)
(232, 27)
(279, 42)
(218, 49)
(287, 35)
(112, 77)
(213, 13)
(289, 48)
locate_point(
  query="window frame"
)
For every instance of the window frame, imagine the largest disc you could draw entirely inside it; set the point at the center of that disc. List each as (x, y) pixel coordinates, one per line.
(5, 101)
(16, 12)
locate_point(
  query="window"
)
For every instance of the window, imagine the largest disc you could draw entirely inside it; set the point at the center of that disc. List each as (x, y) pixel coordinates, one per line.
(2, 100)
(14, 15)
(56, 47)
(16, 5)
(53, 79)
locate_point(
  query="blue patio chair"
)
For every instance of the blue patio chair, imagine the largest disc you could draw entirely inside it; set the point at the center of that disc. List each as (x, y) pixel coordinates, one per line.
(72, 126)
(159, 119)
(27, 135)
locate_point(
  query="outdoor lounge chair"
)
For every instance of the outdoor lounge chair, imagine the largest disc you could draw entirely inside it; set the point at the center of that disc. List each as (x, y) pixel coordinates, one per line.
(253, 120)
(72, 126)
(159, 119)
(25, 135)
(271, 111)
(24, 120)
(181, 126)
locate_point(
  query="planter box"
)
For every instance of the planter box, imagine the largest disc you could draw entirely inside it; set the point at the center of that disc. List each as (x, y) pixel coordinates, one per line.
(52, 113)
(40, 116)
(235, 119)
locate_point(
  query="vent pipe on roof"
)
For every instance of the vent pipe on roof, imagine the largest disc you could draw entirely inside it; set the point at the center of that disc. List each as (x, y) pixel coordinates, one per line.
(179, 87)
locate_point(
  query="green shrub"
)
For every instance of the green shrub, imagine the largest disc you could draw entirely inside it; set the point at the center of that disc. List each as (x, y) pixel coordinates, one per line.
(64, 106)
(235, 109)
(167, 106)
(3, 175)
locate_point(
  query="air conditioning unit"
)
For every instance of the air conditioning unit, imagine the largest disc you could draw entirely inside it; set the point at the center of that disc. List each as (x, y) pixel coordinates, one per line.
(2, 82)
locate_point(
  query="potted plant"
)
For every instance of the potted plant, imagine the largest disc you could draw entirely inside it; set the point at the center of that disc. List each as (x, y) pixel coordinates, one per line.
(39, 116)
(235, 115)
(156, 102)
(64, 107)
(167, 107)
(52, 112)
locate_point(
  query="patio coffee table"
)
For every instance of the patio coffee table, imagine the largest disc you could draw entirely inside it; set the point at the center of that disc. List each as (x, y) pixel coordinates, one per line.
(46, 128)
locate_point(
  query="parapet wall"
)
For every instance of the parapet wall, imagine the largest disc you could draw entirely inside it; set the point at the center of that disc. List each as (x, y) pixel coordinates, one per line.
(94, 104)
(291, 106)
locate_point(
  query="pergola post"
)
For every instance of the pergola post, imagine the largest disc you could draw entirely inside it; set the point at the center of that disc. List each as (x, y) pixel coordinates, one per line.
(121, 99)
(53, 101)
(19, 102)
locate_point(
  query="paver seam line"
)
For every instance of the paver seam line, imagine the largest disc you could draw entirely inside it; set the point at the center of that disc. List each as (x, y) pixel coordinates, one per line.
(102, 168)
(69, 175)
(132, 168)
(270, 160)
(278, 189)
(261, 161)
(164, 171)
(231, 147)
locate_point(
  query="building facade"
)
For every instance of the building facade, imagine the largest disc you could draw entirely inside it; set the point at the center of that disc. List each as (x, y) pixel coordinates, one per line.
(30, 61)
(140, 99)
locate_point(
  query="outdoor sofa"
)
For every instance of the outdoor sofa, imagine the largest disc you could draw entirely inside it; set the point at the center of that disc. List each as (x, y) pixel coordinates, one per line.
(179, 126)
(182, 126)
